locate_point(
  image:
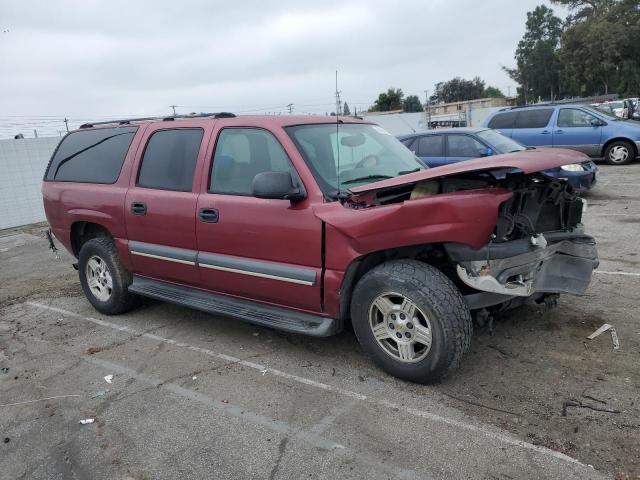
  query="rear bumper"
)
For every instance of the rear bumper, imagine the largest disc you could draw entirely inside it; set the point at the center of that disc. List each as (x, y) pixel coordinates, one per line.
(553, 263)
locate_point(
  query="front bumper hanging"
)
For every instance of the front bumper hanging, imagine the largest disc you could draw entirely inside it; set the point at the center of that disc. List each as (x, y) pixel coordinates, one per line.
(558, 262)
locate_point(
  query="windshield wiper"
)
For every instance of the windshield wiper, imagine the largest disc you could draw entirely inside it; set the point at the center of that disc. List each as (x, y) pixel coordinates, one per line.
(405, 172)
(368, 177)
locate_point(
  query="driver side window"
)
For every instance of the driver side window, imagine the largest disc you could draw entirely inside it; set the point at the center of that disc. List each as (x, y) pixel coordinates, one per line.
(573, 117)
(464, 146)
(241, 154)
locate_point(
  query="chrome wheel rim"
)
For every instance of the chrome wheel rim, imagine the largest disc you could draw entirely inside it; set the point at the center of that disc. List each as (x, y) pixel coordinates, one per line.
(99, 278)
(619, 154)
(400, 327)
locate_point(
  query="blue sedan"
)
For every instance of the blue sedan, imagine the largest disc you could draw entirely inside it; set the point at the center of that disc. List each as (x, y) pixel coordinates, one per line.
(444, 146)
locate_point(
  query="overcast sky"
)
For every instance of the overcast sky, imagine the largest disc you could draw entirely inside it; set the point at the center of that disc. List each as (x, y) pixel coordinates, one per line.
(89, 59)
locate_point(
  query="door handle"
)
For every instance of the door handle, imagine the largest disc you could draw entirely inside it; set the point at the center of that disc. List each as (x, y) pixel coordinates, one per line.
(208, 215)
(138, 208)
(559, 131)
(545, 132)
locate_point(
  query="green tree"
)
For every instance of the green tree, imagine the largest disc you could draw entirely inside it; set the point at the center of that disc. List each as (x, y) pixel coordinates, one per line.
(345, 109)
(412, 104)
(601, 47)
(389, 100)
(457, 90)
(537, 60)
(492, 92)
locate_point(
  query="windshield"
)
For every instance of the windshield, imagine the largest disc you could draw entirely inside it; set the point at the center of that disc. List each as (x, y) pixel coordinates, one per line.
(354, 153)
(499, 142)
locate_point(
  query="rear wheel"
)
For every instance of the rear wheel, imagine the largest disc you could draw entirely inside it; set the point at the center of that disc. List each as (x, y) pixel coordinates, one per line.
(411, 319)
(619, 153)
(104, 279)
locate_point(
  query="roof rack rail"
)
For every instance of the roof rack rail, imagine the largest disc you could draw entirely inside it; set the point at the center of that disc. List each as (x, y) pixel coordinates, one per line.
(516, 107)
(127, 121)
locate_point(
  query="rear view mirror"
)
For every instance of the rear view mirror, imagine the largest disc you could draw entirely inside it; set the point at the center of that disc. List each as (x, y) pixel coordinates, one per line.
(353, 140)
(276, 186)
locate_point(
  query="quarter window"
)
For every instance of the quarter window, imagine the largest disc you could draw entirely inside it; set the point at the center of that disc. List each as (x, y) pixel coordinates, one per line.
(92, 156)
(464, 146)
(431, 146)
(536, 118)
(170, 159)
(241, 154)
(574, 117)
(503, 120)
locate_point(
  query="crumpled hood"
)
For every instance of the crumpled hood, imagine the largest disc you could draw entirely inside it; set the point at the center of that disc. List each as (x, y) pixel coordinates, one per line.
(529, 161)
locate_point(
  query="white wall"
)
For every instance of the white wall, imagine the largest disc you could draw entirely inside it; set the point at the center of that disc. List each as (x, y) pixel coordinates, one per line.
(399, 123)
(22, 165)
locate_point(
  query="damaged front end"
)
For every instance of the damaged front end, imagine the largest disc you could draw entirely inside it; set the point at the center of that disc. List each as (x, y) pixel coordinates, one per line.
(539, 247)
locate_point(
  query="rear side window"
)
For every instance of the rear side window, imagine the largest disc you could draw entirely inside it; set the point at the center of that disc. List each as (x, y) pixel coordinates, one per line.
(538, 118)
(431, 146)
(91, 156)
(170, 159)
(503, 120)
(407, 142)
(241, 154)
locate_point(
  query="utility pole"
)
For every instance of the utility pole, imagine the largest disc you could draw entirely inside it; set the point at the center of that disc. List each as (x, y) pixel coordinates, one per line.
(35, 133)
(290, 107)
(508, 90)
(66, 123)
(174, 109)
(338, 92)
(428, 105)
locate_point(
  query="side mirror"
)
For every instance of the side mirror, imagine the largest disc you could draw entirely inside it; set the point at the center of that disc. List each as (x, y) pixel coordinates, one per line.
(597, 123)
(276, 186)
(485, 152)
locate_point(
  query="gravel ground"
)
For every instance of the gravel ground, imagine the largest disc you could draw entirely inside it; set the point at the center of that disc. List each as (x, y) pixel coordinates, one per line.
(198, 396)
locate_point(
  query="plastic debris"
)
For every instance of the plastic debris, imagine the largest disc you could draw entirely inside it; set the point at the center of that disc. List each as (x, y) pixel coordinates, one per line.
(108, 378)
(614, 334)
(101, 392)
(5, 369)
(264, 372)
(194, 378)
(87, 421)
(224, 401)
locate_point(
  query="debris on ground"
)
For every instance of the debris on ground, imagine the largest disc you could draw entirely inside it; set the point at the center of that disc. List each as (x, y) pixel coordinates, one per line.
(5, 369)
(101, 392)
(87, 421)
(614, 334)
(108, 378)
(194, 378)
(6, 440)
(579, 404)
(92, 350)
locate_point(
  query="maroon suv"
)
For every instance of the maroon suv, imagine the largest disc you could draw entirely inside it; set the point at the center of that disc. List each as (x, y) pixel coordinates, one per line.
(305, 223)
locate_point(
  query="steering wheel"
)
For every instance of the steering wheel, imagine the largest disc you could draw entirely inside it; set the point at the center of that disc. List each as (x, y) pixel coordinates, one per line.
(368, 161)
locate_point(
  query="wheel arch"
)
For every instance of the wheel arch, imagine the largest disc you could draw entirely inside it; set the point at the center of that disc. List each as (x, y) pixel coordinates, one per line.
(83, 231)
(431, 253)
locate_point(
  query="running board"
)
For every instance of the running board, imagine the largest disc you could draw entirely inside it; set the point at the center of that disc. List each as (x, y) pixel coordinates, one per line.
(248, 311)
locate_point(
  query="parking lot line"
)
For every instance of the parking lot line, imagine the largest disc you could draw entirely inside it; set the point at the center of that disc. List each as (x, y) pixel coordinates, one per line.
(628, 274)
(279, 426)
(479, 429)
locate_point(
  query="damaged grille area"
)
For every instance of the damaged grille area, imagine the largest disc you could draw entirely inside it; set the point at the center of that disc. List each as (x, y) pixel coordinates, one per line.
(538, 205)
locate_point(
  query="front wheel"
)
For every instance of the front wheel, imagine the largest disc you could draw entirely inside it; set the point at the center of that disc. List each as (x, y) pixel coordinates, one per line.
(619, 153)
(411, 319)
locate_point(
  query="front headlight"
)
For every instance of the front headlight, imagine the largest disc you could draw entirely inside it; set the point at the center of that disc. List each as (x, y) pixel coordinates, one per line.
(574, 167)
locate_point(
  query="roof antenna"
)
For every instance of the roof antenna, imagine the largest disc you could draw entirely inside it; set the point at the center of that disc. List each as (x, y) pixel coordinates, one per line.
(337, 132)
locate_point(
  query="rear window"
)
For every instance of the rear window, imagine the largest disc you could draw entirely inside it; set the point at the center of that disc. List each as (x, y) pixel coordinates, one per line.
(170, 159)
(537, 118)
(91, 156)
(503, 120)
